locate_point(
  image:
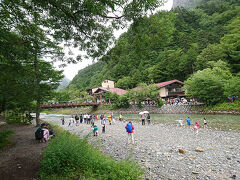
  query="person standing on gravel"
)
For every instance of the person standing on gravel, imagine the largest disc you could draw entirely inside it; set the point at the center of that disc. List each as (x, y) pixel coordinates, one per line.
(129, 128)
(71, 120)
(204, 123)
(143, 119)
(109, 119)
(121, 117)
(188, 121)
(148, 119)
(103, 123)
(81, 118)
(180, 122)
(63, 121)
(77, 119)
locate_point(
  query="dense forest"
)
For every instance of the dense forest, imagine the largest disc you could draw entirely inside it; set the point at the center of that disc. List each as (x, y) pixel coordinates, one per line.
(31, 33)
(171, 45)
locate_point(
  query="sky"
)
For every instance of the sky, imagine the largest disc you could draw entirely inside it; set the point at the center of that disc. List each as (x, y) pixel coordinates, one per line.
(71, 70)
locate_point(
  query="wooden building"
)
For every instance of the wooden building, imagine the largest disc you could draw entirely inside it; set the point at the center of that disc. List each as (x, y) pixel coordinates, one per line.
(171, 89)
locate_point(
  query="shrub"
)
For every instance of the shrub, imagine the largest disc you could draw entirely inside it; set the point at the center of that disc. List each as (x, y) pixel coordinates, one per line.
(226, 106)
(4, 138)
(67, 156)
(160, 103)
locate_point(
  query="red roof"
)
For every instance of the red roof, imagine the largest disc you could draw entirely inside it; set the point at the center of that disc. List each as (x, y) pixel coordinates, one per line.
(118, 91)
(162, 84)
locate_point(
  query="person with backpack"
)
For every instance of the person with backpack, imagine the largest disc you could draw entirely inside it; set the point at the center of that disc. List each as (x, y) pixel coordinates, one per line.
(129, 128)
(77, 119)
(81, 118)
(42, 133)
(39, 133)
(95, 130)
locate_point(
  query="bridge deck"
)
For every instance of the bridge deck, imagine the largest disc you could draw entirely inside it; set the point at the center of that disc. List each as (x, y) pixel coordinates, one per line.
(46, 106)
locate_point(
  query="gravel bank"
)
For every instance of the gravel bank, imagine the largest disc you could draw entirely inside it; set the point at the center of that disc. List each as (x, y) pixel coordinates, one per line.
(156, 149)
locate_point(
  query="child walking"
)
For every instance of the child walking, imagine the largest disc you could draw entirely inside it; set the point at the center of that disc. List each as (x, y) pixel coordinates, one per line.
(196, 127)
(95, 130)
(103, 123)
(180, 122)
(204, 123)
(70, 121)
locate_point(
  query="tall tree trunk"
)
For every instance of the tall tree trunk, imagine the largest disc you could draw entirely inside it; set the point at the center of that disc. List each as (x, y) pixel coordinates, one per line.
(37, 88)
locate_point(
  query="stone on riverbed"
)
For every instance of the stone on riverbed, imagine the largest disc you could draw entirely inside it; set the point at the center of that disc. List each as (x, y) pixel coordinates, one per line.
(182, 151)
(199, 150)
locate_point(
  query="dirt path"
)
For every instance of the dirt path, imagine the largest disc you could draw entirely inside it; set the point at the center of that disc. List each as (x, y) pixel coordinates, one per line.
(21, 161)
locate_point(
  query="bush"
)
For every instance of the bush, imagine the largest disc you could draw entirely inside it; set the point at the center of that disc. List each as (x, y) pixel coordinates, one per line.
(67, 156)
(4, 138)
(160, 103)
(226, 106)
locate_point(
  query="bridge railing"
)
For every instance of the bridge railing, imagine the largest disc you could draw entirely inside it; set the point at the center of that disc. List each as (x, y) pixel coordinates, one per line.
(45, 106)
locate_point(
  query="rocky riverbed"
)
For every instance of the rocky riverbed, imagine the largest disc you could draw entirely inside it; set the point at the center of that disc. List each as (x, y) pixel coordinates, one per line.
(157, 146)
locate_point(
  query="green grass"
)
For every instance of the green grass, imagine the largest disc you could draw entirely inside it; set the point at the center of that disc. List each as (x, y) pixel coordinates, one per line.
(226, 106)
(67, 157)
(5, 139)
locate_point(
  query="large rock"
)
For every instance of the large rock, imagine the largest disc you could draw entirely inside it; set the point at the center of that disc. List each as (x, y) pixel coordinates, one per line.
(199, 150)
(182, 151)
(212, 148)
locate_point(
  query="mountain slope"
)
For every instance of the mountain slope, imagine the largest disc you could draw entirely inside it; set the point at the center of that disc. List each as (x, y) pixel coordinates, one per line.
(168, 45)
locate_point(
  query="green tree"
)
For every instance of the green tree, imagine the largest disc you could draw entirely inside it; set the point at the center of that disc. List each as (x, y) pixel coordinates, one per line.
(207, 85)
(232, 87)
(125, 83)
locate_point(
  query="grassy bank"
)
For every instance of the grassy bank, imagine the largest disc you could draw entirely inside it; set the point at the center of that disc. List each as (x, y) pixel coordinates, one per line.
(68, 157)
(226, 106)
(5, 139)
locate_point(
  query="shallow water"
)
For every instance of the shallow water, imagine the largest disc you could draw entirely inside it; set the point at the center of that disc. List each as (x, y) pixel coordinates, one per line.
(215, 121)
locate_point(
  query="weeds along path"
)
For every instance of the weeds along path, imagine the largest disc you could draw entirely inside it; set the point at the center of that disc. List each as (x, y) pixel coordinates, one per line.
(21, 160)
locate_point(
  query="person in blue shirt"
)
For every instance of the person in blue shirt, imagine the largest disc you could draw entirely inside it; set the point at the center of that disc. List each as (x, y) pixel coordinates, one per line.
(188, 121)
(95, 130)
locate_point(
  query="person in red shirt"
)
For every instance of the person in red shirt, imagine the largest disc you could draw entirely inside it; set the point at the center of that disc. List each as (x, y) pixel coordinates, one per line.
(196, 127)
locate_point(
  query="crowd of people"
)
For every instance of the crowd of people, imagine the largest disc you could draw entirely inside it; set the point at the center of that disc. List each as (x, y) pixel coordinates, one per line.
(44, 132)
(91, 119)
(196, 125)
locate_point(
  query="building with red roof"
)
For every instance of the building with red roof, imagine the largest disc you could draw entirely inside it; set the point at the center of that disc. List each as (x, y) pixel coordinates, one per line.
(171, 89)
(107, 86)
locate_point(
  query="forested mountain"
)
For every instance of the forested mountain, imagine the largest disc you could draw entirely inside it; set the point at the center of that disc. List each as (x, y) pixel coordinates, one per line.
(63, 83)
(170, 45)
(188, 4)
